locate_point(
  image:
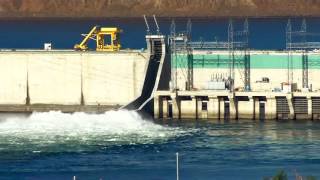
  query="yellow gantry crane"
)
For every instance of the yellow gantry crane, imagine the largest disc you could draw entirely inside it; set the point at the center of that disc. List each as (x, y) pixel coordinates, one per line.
(107, 39)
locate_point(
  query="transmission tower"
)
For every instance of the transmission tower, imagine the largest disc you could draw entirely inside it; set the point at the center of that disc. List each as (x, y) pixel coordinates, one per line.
(181, 43)
(180, 47)
(298, 41)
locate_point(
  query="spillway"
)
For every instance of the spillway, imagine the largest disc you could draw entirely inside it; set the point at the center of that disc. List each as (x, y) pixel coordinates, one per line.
(157, 47)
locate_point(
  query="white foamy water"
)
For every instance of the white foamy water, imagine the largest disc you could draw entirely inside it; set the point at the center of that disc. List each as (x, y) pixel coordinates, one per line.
(81, 131)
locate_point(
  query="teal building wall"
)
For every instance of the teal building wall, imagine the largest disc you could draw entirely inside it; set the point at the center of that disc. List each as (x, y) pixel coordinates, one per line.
(257, 61)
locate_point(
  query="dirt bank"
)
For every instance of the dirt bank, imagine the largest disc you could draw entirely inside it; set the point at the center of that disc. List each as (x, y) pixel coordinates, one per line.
(164, 8)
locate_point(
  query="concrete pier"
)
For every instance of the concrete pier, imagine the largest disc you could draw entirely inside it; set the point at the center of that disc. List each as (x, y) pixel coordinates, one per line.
(205, 104)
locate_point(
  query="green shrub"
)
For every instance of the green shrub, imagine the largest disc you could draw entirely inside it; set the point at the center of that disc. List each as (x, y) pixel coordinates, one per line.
(281, 175)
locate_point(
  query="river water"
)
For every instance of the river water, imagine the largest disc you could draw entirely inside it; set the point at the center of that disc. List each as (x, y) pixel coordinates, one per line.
(264, 33)
(123, 145)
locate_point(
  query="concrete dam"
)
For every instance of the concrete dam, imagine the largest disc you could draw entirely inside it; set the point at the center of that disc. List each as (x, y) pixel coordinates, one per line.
(173, 78)
(69, 81)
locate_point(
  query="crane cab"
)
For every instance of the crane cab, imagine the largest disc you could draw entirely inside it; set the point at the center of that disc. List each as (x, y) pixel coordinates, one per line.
(108, 39)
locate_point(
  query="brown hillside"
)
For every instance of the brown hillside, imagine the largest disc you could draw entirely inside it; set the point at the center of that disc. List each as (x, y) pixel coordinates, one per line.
(164, 8)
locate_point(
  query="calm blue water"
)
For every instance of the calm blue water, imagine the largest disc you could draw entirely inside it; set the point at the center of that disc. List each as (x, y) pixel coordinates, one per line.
(122, 145)
(264, 33)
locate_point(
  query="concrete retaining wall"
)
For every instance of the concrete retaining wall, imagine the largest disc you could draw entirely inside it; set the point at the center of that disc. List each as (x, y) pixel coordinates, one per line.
(13, 79)
(110, 82)
(68, 78)
(54, 79)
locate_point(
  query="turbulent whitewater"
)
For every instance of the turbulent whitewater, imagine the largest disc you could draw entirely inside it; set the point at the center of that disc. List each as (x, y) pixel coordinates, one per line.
(56, 131)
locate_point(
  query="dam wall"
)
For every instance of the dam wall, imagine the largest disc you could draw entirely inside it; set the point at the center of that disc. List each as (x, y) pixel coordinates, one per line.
(70, 78)
(99, 81)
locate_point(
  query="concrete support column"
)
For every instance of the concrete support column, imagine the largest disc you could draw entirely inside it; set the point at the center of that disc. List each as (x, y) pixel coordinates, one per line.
(193, 110)
(256, 109)
(199, 108)
(213, 108)
(309, 107)
(290, 104)
(246, 109)
(232, 108)
(156, 110)
(165, 108)
(271, 108)
(175, 107)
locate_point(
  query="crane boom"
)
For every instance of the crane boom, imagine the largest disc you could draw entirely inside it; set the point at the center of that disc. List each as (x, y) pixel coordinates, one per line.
(84, 42)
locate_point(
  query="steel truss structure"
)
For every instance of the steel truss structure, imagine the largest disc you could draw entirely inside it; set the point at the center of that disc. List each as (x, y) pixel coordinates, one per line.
(298, 41)
(182, 44)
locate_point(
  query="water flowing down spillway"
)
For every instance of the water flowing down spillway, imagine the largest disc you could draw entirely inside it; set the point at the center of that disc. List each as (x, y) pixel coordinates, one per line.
(61, 132)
